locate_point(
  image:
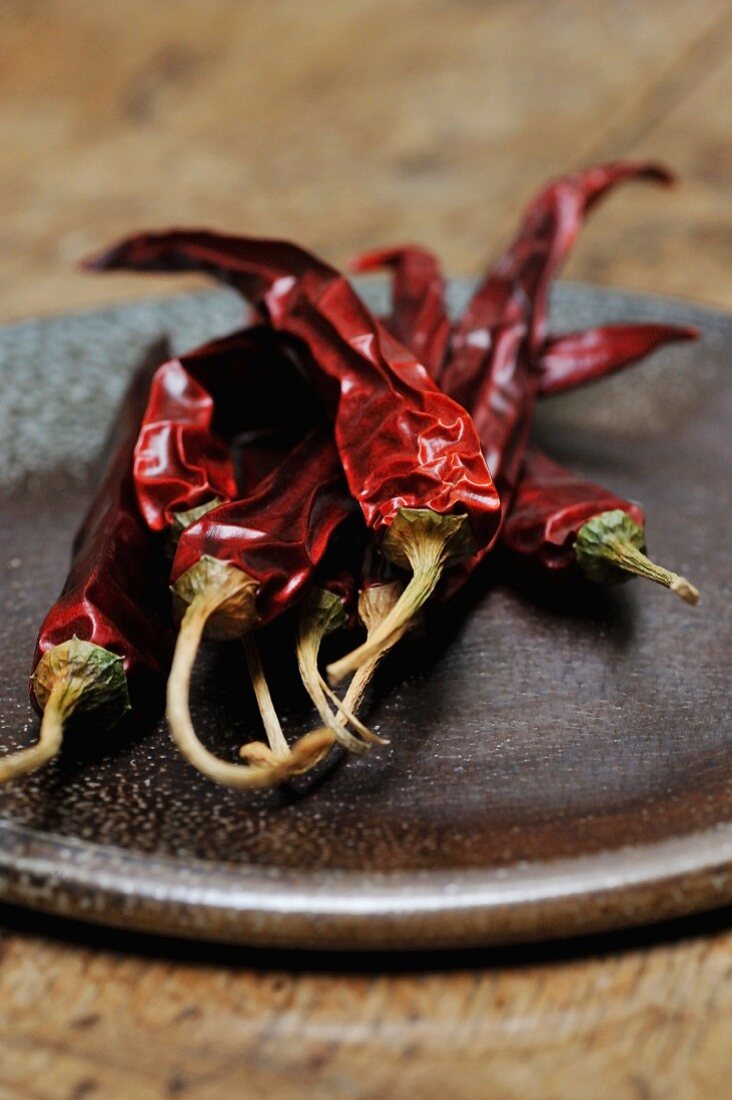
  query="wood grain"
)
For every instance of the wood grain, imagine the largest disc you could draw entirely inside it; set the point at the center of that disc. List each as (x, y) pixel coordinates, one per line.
(356, 124)
(650, 1023)
(375, 120)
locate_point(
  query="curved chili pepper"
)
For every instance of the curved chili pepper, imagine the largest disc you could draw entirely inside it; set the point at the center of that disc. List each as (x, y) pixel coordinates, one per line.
(558, 519)
(515, 290)
(505, 321)
(244, 563)
(410, 455)
(578, 358)
(418, 318)
(105, 645)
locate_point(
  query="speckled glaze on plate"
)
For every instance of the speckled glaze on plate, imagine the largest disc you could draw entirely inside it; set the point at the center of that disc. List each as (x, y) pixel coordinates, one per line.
(560, 757)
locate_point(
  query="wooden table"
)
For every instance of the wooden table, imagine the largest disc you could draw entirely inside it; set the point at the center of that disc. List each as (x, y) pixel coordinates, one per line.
(347, 126)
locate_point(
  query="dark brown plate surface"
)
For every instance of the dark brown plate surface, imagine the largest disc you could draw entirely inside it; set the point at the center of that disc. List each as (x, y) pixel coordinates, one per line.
(560, 758)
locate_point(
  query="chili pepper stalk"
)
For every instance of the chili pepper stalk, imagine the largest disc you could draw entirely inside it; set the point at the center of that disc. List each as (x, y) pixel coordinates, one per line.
(375, 603)
(73, 680)
(559, 520)
(220, 599)
(610, 547)
(322, 614)
(425, 543)
(281, 761)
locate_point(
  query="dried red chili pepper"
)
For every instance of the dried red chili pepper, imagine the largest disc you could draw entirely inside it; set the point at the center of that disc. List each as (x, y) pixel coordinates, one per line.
(244, 563)
(104, 646)
(558, 519)
(410, 454)
(507, 318)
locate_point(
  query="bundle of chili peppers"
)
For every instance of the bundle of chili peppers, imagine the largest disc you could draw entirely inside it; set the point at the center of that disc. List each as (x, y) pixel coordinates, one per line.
(333, 465)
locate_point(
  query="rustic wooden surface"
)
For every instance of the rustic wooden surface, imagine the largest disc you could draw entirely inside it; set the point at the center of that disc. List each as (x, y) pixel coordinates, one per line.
(350, 125)
(624, 1022)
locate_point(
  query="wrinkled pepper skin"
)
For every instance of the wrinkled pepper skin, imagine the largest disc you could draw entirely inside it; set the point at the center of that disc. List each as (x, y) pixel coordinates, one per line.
(403, 444)
(179, 462)
(550, 506)
(115, 595)
(279, 534)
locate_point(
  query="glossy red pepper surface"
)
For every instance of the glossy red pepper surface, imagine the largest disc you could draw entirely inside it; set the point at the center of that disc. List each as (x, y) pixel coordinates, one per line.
(279, 534)
(179, 463)
(403, 444)
(236, 384)
(115, 594)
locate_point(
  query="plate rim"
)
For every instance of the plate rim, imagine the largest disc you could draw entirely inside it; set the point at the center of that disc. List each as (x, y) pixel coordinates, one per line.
(230, 903)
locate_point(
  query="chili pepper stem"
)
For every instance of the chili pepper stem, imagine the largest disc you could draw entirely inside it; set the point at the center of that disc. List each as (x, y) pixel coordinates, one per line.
(612, 543)
(426, 542)
(374, 604)
(269, 766)
(73, 677)
(304, 754)
(313, 628)
(221, 596)
(55, 713)
(271, 722)
(344, 712)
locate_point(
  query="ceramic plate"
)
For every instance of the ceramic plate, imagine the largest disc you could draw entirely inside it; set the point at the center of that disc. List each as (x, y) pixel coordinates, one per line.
(561, 755)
